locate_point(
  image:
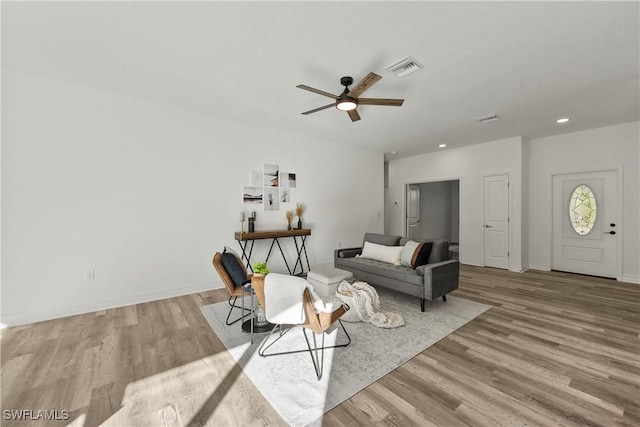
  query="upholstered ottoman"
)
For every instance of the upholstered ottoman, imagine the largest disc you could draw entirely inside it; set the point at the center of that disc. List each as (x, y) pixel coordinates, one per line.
(325, 281)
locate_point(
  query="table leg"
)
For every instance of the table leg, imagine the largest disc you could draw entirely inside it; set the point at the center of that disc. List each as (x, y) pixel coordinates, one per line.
(284, 257)
(244, 252)
(304, 239)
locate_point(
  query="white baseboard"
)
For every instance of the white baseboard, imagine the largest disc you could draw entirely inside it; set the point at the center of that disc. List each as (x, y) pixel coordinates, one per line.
(540, 267)
(631, 279)
(518, 269)
(471, 261)
(33, 316)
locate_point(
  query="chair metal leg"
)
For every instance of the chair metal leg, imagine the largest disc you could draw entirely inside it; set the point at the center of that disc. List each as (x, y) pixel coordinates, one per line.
(232, 306)
(317, 359)
(253, 316)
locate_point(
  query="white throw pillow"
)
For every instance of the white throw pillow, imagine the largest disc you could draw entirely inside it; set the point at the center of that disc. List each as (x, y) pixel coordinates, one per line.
(389, 254)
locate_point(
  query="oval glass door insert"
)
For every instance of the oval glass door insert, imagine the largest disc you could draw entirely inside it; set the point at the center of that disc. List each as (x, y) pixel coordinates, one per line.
(582, 209)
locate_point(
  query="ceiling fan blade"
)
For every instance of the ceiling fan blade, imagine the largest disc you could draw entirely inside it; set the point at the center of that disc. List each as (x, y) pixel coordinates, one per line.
(381, 101)
(319, 109)
(353, 115)
(364, 84)
(318, 91)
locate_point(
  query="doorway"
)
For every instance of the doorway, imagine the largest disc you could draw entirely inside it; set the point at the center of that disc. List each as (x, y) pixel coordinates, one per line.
(433, 211)
(586, 227)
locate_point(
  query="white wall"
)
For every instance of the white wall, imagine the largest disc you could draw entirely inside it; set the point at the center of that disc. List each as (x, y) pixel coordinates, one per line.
(144, 194)
(530, 165)
(607, 148)
(470, 165)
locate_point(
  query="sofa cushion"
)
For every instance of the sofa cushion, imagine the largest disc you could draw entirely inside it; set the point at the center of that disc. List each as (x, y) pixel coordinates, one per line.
(439, 251)
(384, 253)
(382, 239)
(415, 254)
(382, 269)
(234, 268)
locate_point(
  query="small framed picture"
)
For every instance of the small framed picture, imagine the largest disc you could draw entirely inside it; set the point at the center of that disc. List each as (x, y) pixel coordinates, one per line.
(252, 195)
(271, 199)
(271, 176)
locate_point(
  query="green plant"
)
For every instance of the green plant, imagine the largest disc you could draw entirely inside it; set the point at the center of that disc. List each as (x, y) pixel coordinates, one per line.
(261, 268)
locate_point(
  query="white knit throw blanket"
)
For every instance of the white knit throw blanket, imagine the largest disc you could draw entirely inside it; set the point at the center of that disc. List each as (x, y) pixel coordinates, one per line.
(367, 305)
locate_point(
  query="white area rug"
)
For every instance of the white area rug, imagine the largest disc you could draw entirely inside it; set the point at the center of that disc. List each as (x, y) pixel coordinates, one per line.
(289, 382)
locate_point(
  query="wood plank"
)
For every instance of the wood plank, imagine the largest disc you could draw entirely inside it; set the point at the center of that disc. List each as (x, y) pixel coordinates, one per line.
(555, 349)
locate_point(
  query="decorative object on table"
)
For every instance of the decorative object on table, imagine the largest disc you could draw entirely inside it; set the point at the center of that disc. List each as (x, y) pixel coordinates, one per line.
(252, 222)
(242, 222)
(271, 176)
(271, 199)
(289, 214)
(299, 212)
(252, 195)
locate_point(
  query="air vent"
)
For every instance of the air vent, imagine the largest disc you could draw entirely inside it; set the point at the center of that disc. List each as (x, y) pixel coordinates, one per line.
(404, 67)
(488, 118)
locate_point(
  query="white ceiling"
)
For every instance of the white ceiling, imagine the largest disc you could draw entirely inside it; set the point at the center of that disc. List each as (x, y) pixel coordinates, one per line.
(530, 62)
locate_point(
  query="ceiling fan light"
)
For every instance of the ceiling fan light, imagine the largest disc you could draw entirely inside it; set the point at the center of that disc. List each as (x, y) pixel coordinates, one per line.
(346, 105)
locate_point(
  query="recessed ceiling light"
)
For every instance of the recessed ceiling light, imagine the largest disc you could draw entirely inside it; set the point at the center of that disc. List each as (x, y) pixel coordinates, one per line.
(442, 145)
(394, 152)
(563, 120)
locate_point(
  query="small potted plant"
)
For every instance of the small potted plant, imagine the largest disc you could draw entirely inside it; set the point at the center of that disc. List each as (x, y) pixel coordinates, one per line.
(299, 212)
(260, 268)
(289, 214)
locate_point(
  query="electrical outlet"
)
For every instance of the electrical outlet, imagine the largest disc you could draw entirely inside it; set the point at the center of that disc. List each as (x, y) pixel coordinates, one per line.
(89, 275)
(339, 244)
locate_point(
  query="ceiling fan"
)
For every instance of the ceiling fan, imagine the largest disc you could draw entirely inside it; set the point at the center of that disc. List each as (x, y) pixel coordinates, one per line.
(349, 99)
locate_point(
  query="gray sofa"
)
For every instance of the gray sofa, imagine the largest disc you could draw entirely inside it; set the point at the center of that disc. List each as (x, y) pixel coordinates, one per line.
(433, 280)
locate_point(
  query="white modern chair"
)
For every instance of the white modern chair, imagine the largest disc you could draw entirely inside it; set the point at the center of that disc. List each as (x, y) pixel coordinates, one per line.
(291, 302)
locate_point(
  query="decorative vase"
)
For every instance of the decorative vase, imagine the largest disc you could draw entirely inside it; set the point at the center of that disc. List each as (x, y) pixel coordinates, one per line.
(299, 223)
(289, 226)
(257, 283)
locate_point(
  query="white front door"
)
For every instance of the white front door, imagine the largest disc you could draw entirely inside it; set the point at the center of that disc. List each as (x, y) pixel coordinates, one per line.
(585, 223)
(413, 211)
(496, 221)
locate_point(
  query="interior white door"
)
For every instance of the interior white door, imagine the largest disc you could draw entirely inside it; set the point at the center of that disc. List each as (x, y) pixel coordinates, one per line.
(585, 223)
(413, 211)
(496, 221)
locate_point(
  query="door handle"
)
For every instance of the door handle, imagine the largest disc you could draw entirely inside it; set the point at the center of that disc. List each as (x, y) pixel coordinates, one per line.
(611, 232)
(488, 226)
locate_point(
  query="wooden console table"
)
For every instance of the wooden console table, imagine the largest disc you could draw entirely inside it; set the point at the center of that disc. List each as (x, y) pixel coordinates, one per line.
(245, 238)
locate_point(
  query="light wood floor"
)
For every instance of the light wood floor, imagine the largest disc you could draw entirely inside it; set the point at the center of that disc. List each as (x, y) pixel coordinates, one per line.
(556, 349)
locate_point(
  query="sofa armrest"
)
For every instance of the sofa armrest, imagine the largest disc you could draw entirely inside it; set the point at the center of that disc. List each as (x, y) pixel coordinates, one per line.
(345, 253)
(440, 278)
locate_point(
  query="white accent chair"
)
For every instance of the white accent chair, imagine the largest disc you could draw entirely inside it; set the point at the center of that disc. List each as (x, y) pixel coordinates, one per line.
(290, 302)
